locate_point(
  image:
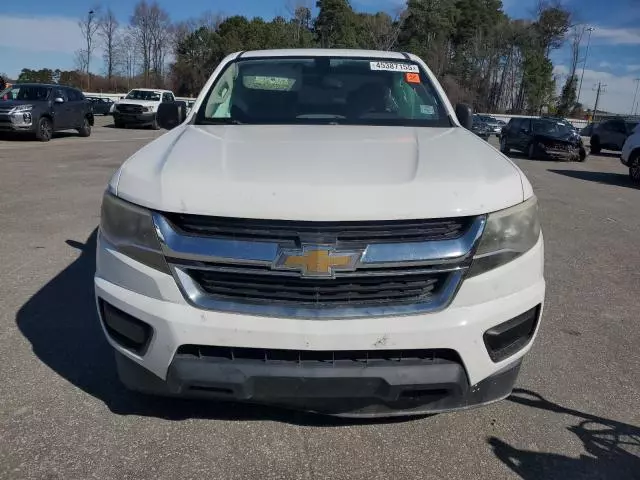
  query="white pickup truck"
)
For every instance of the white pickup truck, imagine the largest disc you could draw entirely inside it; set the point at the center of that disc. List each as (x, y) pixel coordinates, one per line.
(322, 232)
(140, 106)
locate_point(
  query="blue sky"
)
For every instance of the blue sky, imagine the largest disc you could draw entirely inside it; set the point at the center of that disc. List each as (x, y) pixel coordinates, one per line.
(40, 33)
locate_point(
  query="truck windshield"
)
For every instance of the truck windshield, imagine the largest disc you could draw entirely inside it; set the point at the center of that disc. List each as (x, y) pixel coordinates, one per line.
(323, 90)
(29, 93)
(551, 127)
(143, 95)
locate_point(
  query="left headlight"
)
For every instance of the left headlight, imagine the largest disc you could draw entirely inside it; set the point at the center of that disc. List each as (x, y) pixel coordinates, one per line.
(22, 108)
(507, 234)
(130, 229)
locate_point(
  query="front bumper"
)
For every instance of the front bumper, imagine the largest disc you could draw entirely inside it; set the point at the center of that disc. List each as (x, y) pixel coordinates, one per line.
(481, 303)
(133, 118)
(567, 155)
(11, 123)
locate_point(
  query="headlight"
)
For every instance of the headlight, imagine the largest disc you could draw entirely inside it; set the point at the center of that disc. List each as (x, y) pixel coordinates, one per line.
(130, 230)
(507, 234)
(22, 108)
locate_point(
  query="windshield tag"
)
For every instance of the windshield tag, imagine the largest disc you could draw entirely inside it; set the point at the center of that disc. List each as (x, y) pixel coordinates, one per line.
(394, 67)
(427, 109)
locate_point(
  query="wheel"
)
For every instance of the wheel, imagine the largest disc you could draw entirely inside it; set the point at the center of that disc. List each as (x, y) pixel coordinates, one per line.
(595, 145)
(118, 124)
(634, 168)
(582, 155)
(44, 130)
(532, 151)
(85, 130)
(504, 148)
(154, 124)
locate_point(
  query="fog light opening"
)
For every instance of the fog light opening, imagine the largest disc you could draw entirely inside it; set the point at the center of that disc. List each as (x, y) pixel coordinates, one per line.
(126, 330)
(509, 337)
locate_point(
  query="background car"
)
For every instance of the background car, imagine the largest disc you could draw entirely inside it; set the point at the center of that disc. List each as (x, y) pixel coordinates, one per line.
(43, 109)
(542, 138)
(495, 125)
(101, 105)
(587, 131)
(611, 134)
(630, 156)
(480, 128)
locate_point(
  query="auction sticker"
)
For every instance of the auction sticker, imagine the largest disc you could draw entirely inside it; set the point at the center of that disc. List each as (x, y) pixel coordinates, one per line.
(394, 67)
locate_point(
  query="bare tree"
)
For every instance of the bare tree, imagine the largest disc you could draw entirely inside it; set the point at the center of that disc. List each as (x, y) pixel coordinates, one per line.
(141, 33)
(89, 27)
(150, 26)
(80, 60)
(383, 29)
(108, 33)
(127, 58)
(577, 32)
(160, 41)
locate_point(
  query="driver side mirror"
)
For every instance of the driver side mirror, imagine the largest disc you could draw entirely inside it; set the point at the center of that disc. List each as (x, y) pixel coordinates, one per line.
(58, 100)
(465, 115)
(168, 115)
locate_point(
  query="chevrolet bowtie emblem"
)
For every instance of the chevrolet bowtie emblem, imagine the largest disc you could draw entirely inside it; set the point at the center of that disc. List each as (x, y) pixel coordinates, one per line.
(317, 261)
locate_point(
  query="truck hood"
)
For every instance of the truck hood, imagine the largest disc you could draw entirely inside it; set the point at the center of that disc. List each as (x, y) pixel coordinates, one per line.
(9, 104)
(321, 173)
(144, 103)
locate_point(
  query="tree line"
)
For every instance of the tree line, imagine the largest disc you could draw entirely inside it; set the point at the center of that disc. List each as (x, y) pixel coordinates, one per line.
(480, 55)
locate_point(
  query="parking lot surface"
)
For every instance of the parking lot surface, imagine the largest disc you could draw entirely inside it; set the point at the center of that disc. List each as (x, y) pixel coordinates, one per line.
(575, 413)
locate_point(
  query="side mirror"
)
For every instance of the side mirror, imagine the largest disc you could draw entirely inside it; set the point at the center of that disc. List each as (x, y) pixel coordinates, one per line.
(168, 115)
(58, 100)
(465, 115)
(524, 130)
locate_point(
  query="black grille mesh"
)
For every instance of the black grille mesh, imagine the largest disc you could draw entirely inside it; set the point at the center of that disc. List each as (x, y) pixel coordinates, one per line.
(340, 291)
(318, 232)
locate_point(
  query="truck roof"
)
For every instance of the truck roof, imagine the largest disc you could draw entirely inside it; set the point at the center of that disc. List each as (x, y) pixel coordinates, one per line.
(325, 52)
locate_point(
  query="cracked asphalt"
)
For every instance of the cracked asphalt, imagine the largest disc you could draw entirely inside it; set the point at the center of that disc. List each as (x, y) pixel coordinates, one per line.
(575, 413)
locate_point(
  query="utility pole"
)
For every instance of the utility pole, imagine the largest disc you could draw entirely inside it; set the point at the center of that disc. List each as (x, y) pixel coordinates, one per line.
(595, 108)
(633, 104)
(584, 62)
(89, 27)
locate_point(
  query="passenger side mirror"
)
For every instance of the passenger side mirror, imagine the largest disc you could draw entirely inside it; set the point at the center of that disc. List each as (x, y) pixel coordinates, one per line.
(168, 115)
(58, 100)
(465, 115)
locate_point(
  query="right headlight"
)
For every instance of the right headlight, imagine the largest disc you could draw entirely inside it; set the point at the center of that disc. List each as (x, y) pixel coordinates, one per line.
(507, 234)
(130, 230)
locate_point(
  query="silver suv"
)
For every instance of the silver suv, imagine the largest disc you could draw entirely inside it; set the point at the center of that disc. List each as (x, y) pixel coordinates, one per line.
(611, 134)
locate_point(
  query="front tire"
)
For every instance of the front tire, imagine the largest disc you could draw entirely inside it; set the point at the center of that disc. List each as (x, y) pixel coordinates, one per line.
(582, 155)
(634, 168)
(154, 124)
(44, 130)
(504, 148)
(595, 145)
(118, 123)
(85, 130)
(532, 151)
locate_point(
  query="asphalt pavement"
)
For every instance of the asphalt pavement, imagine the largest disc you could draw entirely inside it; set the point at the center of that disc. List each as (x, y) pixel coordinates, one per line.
(575, 413)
